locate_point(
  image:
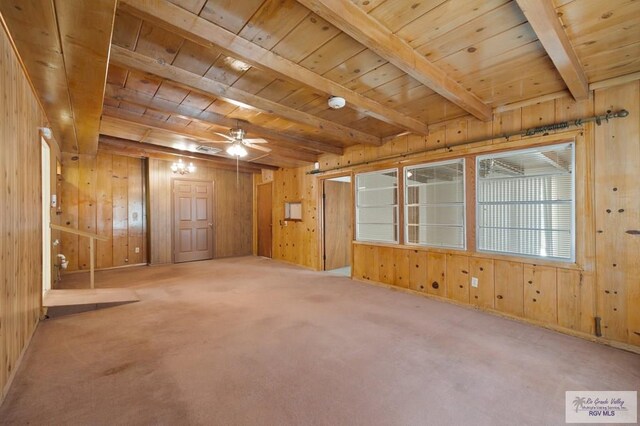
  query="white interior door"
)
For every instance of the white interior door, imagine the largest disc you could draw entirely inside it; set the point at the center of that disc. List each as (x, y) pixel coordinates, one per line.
(46, 217)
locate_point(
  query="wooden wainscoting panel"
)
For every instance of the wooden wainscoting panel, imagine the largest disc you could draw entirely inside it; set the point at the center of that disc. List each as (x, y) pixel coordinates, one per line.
(437, 274)
(418, 270)
(360, 267)
(569, 287)
(540, 294)
(401, 268)
(509, 287)
(458, 277)
(483, 294)
(372, 263)
(386, 271)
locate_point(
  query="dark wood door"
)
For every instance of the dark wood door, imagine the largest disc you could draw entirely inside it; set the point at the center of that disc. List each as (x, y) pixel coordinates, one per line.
(192, 220)
(265, 218)
(337, 224)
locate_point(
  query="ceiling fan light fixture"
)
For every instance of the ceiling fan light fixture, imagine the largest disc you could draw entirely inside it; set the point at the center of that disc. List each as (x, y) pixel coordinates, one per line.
(237, 133)
(237, 150)
(337, 102)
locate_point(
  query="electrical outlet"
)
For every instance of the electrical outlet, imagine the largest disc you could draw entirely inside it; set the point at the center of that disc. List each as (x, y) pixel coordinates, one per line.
(474, 282)
(137, 250)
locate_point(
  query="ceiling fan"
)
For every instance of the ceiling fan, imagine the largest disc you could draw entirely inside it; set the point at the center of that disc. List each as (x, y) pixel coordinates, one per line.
(238, 142)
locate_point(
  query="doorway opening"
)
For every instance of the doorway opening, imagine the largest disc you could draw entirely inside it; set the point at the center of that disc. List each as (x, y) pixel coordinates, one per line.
(46, 215)
(265, 219)
(337, 225)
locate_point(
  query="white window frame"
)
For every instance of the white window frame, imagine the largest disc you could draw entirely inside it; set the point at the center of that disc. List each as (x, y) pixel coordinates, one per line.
(572, 258)
(464, 203)
(397, 206)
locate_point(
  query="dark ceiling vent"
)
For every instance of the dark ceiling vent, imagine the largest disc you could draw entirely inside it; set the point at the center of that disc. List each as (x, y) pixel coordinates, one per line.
(208, 149)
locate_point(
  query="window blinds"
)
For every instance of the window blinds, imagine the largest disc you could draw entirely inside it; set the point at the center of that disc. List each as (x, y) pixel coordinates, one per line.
(435, 204)
(525, 202)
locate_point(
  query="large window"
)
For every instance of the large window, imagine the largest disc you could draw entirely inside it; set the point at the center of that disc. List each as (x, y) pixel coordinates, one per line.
(377, 206)
(434, 204)
(525, 202)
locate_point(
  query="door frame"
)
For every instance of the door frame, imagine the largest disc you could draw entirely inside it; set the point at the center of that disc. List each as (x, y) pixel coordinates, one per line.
(320, 204)
(45, 205)
(258, 219)
(173, 214)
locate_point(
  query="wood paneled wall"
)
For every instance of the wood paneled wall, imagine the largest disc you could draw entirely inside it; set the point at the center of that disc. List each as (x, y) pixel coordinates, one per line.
(605, 281)
(294, 241)
(103, 194)
(20, 211)
(617, 206)
(547, 295)
(233, 213)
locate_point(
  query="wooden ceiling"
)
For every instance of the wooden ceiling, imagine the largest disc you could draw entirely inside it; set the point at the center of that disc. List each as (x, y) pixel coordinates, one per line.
(180, 70)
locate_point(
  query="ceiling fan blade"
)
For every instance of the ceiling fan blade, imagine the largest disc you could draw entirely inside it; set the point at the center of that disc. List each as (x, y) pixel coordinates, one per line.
(203, 142)
(258, 147)
(227, 137)
(256, 140)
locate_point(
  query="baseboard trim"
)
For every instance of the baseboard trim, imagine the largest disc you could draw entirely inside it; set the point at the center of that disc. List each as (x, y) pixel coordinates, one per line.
(309, 268)
(618, 345)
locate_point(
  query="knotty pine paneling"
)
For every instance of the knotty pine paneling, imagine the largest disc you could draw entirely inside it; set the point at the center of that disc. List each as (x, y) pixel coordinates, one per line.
(607, 170)
(617, 206)
(233, 213)
(296, 242)
(103, 194)
(20, 211)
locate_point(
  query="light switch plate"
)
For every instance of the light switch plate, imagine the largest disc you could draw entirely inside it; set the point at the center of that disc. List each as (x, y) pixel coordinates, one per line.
(474, 282)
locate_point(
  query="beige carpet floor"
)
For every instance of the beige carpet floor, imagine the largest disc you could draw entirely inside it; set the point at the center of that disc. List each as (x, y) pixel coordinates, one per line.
(250, 341)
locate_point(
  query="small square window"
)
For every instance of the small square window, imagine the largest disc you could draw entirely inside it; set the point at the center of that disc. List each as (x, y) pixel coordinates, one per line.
(526, 203)
(435, 204)
(377, 206)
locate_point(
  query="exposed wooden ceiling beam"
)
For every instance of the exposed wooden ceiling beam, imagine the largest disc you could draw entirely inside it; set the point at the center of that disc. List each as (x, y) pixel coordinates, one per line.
(282, 138)
(132, 60)
(206, 33)
(64, 46)
(354, 21)
(85, 32)
(140, 149)
(137, 152)
(542, 17)
(131, 118)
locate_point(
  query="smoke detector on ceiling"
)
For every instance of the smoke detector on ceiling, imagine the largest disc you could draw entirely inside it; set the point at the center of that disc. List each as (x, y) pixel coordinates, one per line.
(336, 102)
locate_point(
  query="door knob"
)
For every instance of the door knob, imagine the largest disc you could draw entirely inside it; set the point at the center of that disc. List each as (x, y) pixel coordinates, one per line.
(211, 225)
